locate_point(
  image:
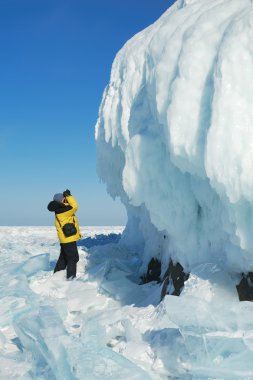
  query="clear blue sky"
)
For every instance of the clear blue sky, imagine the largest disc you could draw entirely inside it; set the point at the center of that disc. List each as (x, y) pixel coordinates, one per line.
(56, 57)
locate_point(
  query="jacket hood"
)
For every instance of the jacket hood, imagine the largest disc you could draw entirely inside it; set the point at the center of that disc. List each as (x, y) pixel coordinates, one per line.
(53, 206)
(58, 207)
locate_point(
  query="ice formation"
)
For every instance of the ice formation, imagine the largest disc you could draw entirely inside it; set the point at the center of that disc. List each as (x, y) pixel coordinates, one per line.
(175, 135)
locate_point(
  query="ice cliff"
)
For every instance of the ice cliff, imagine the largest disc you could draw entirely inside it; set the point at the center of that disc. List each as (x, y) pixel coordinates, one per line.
(175, 135)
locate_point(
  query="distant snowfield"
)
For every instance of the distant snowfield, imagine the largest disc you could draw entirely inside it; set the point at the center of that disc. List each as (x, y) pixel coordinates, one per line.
(105, 325)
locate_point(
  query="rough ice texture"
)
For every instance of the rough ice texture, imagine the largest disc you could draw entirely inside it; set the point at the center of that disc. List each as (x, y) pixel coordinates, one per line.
(175, 135)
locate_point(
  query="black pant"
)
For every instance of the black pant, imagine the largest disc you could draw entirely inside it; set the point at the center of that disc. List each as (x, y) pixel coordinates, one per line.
(68, 258)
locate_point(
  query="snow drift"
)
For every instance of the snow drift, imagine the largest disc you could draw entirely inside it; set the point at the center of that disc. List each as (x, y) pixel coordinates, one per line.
(175, 135)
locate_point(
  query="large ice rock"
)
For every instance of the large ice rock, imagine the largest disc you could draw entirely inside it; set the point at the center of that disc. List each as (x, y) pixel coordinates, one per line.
(175, 135)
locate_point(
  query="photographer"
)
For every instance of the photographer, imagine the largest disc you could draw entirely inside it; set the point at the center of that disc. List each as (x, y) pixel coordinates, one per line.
(64, 206)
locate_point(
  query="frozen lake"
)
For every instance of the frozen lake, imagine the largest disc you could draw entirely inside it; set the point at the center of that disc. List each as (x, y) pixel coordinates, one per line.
(104, 325)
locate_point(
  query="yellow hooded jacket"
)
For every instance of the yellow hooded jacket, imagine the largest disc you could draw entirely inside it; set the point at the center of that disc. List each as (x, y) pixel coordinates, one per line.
(65, 213)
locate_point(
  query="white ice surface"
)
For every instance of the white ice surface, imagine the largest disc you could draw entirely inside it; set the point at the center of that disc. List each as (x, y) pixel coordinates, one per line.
(175, 135)
(105, 325)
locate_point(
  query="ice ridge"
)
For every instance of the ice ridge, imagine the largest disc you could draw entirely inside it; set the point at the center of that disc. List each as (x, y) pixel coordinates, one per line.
(175, 138)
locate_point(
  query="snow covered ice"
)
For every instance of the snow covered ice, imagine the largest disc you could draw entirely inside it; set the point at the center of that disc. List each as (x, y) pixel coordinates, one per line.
(105, 325)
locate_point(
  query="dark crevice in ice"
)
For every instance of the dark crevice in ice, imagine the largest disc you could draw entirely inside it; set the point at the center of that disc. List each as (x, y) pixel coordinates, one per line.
(245, 287)
(174, 279)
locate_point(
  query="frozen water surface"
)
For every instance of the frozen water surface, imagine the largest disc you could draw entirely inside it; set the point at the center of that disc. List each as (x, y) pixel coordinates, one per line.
(105, 325)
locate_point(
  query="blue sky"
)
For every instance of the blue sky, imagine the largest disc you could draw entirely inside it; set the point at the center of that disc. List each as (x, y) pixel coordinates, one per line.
(56, 57)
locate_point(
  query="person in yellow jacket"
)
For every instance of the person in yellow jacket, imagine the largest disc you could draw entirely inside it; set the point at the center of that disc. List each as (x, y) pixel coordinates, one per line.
(64, 206)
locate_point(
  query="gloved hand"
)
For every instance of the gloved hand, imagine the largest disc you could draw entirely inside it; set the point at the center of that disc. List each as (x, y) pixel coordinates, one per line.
(66, 193)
